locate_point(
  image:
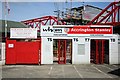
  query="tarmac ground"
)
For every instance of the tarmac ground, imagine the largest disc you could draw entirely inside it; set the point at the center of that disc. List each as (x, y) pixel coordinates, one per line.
(61, 71)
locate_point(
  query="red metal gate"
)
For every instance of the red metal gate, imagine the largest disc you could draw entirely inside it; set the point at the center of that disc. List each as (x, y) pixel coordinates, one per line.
(97, 52)
(61, 51)
(21, 52)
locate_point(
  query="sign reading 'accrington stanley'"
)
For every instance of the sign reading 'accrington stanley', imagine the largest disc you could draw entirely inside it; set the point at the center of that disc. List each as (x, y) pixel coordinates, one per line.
(23, 33)
(90, 30)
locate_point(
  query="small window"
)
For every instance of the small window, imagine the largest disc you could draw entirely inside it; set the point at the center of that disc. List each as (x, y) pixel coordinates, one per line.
(81, 49)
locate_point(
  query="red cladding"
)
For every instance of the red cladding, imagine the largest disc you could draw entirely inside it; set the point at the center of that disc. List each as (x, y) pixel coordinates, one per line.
(22, 52)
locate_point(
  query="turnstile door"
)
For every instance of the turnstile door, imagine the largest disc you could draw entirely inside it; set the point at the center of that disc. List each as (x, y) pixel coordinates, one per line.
(61, 51)
(99, 51)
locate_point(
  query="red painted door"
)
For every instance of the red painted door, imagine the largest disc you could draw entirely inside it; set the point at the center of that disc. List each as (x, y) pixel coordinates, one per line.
(61, 51)
(10, 51)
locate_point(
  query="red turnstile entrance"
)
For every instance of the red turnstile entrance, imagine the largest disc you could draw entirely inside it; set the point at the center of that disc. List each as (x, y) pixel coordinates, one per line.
(99, 51)
(22, 52)
(61, 51)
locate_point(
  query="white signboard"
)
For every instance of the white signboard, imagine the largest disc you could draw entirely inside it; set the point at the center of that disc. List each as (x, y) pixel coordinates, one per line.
(47, 31)
(23, 33)
(51, 31)
(76, 31)
(10, 45)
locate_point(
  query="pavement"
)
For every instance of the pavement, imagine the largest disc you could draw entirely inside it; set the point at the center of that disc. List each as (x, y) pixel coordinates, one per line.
(61, 71)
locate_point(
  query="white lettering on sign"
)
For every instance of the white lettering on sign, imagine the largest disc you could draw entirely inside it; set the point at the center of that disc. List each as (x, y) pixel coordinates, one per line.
(82, 30)
(88, 30)
(23, 32)
(10, 45)
(103, 30)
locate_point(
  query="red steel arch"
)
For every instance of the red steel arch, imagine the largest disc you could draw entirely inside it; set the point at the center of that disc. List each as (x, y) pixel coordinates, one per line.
(46, 20)
(110, 15)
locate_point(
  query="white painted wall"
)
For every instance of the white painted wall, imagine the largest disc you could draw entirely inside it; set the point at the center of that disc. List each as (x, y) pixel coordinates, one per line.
(80, 58)
(46, 51)
(74, 52)
(119, 51)
(3, 53)
(87, 50)
(114, 50)
(119, 54)
(77, 58)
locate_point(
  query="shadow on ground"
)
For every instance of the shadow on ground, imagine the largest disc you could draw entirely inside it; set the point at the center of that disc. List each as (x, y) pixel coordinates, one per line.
(115, 72)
